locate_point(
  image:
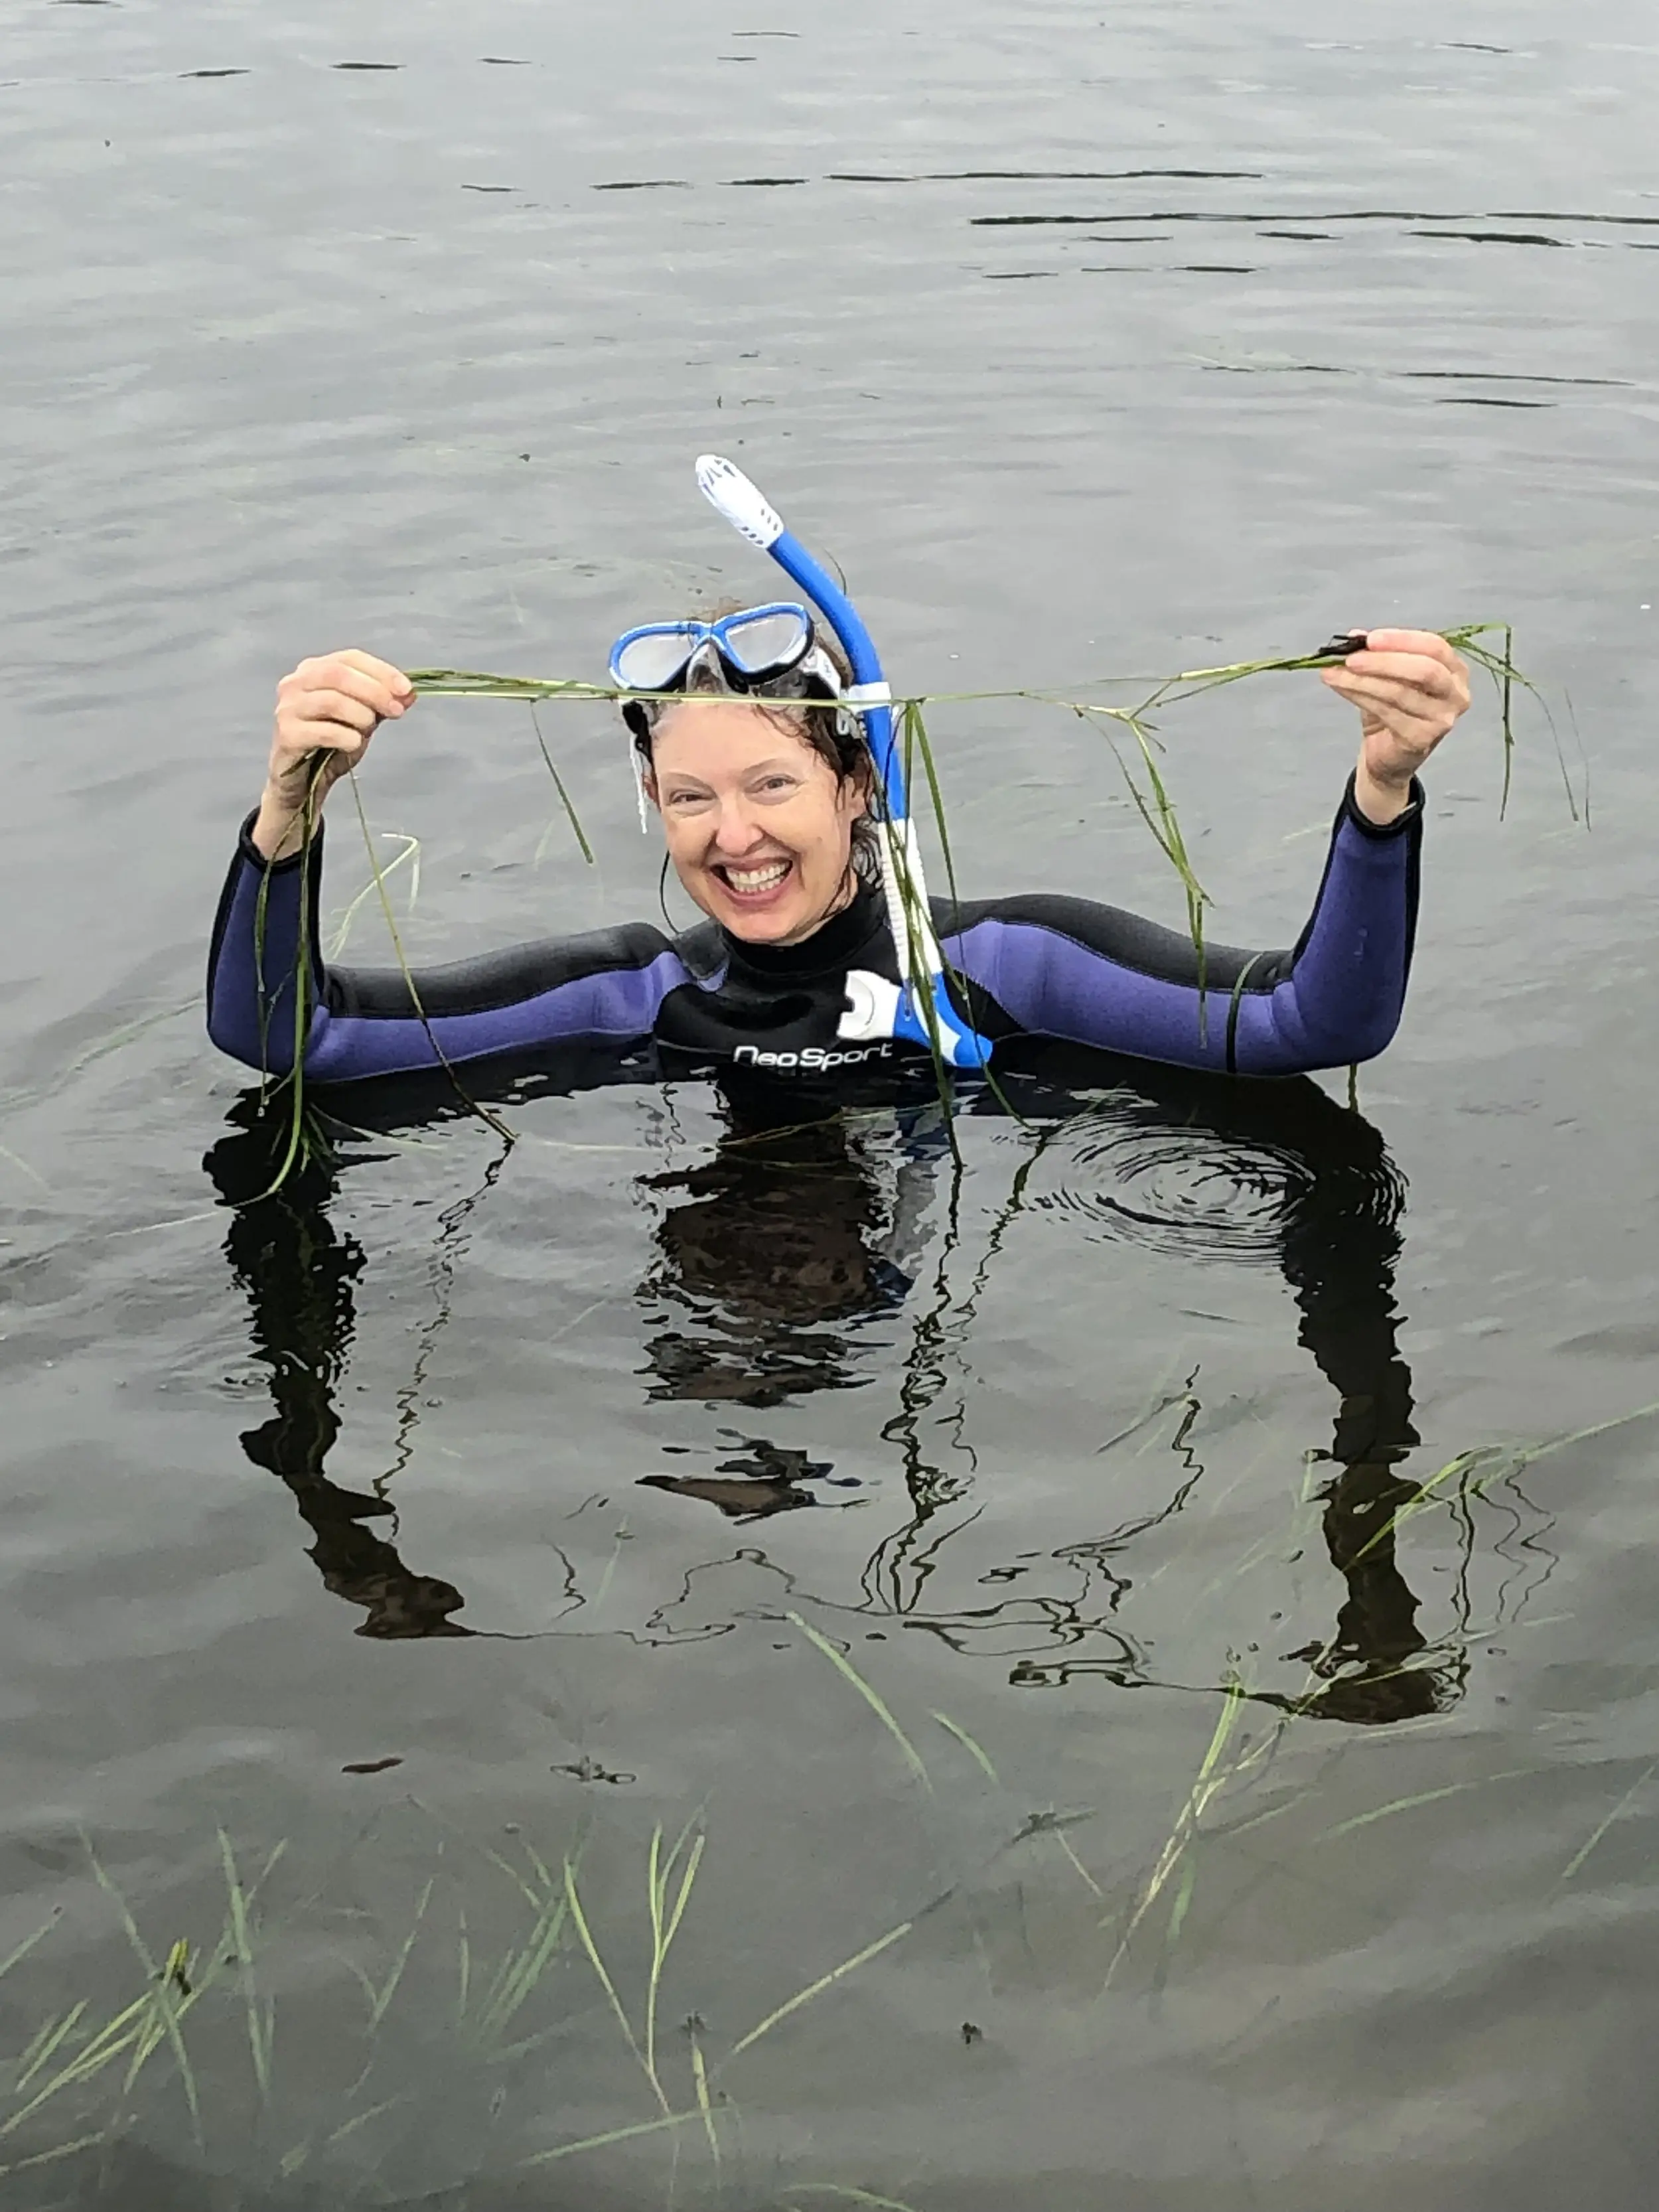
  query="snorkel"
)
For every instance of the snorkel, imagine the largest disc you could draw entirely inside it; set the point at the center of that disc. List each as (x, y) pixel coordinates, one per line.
(875, 1007)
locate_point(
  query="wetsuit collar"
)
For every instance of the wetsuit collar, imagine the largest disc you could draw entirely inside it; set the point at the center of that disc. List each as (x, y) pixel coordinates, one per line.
(835, 945)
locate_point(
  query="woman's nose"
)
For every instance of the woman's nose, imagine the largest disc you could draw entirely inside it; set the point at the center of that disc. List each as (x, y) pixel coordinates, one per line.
(736, 832)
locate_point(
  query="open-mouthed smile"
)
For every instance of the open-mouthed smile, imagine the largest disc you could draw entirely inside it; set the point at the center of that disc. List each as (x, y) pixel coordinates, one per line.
(756, 883)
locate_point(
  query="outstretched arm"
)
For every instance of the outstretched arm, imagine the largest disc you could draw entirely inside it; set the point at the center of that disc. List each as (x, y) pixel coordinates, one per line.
(273, 1000)
(1093, 975)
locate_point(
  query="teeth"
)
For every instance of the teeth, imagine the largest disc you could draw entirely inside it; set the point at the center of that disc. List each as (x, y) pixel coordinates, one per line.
(757, 879)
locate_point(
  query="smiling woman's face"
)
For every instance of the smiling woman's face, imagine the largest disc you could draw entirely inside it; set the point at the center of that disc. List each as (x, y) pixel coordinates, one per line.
(759, 827)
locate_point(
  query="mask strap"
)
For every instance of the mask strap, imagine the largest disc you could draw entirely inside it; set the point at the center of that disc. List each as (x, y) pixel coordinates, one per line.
(633, 754)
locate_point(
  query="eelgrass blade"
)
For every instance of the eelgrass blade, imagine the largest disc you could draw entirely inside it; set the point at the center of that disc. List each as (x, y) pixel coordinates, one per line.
(116, 1040)
(23, 1165)
(849, 2195)
(917, 739)
(45, 2044)
(542, 1871)
(51, 2157)
(471, 683)
(483, 1113)
(871, 1698)
(705, 2103)
(586, 1933)
(139, 2028)
(171, 2011)
(1065, 1844)
(1160, 816)
(531, 1897)
(259, 2024)
(411, 853)
(686, 1881)
(382, 1998)
(361, 2119)
(1210, 1779)
(301, 981)
(792, 2005)
(27, 1946)
(1426, 1495)
(151, 2032)
(1533, 1453)
(955, 1729)
(1505, 676)
(505, 2053)
(1182, 1904)
(613, 2135)
(1576, 1861)
(656, 1885)
(522, 1970)
(571, 816)
(911, 932)
(116, 2037)
(665, 1926)
(1423, 1797)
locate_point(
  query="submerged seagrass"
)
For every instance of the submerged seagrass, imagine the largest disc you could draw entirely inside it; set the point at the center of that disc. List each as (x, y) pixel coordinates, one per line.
(73, 2083)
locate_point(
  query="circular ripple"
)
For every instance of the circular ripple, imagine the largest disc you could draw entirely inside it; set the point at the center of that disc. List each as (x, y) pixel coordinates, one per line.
(1211, 1194)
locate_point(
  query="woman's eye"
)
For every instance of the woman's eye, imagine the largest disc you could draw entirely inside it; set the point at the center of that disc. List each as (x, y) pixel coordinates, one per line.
(778, 783)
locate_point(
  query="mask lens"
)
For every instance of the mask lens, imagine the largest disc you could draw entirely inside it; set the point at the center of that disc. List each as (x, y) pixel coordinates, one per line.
(653, 661)
(759, 644)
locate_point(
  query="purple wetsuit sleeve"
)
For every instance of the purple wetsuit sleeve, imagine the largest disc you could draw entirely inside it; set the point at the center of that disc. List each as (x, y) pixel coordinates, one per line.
(262, 995)
(1071, 968)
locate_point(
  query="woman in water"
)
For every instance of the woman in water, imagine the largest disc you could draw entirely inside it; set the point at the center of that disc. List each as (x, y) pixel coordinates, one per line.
(763, 786)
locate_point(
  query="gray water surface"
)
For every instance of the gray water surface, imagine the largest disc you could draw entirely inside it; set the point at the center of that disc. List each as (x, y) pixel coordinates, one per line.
(1270, 1853)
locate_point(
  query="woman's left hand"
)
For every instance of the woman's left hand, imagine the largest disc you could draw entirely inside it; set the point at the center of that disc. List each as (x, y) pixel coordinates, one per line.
(1410, 687)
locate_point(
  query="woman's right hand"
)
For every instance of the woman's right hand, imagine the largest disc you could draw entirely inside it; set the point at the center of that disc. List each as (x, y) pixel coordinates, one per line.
(327, 710)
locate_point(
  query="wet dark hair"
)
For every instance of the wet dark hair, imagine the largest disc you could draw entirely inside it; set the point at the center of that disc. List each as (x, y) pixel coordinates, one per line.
(806, 711)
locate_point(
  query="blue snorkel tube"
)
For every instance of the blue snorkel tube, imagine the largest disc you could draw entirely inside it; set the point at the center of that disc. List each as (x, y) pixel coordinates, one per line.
(875, 1006)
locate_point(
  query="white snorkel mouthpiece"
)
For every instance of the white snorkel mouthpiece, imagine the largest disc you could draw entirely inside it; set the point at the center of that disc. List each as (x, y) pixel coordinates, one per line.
(737, 500)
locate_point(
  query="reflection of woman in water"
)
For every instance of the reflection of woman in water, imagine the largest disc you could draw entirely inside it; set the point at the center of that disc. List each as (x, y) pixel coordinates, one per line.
(783, 1259)
(774, 1254)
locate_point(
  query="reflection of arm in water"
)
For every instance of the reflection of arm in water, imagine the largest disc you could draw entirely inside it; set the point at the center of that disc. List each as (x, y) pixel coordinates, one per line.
(298, 1273)
(1340, 1245)
(1337, 1239)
